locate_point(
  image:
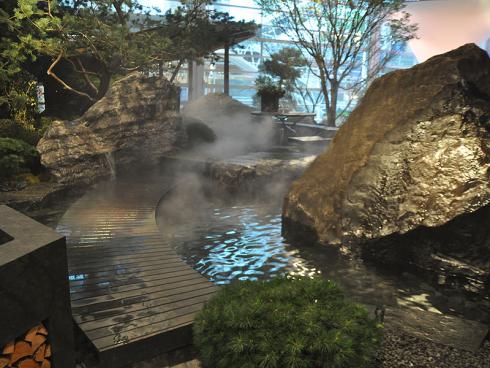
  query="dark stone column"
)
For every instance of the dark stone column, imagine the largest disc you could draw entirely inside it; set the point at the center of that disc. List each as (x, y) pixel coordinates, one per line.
(34, 285)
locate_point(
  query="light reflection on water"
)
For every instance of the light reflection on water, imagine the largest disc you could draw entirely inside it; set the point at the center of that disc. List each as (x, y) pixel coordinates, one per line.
(244, 242)
(237, 242)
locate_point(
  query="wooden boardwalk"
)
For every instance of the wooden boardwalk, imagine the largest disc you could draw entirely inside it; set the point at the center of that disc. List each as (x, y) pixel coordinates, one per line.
(131, 294)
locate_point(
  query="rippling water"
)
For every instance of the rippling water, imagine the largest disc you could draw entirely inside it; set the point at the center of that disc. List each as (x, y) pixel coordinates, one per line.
(238, 242)
(235, 239)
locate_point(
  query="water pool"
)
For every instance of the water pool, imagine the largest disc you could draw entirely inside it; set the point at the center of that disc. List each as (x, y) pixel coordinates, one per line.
(228, 238)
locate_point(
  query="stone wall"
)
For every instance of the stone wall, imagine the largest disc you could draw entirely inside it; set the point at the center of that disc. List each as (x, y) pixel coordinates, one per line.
(36, 327)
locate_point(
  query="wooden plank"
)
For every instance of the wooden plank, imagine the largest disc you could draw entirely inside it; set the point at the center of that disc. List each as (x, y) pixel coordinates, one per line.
(165, 285)
(107, 295)
(114, 286)
(157, 305)
(108, 252)
(134, 273)
(109, 267)
(100, 241)
(119, 355)
(109, 262)
(114, 248)
(106, 338)
(94, 259)
(130, 291)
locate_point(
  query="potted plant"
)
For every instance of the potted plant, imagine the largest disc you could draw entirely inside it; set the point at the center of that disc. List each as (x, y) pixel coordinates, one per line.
(279, 77)
(269, 93)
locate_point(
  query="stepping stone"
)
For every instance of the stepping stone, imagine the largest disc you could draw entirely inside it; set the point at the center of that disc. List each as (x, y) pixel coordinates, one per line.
(309, 139)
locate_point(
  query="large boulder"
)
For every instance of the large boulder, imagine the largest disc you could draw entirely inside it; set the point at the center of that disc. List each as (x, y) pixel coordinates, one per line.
(412, 159)
(137, 121)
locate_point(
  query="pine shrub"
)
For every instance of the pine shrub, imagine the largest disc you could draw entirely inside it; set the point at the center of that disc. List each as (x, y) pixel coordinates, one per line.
(17, 157)
(25, 132)
(285, 323)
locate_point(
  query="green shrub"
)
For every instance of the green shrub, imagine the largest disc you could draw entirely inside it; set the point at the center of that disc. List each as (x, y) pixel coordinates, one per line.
(30, 134)
(11, 129)
(284, 323)
(17, 157)
(43, 124)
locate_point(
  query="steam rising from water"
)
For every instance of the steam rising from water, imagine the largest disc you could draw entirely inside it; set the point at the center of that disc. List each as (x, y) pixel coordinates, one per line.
(236, 129)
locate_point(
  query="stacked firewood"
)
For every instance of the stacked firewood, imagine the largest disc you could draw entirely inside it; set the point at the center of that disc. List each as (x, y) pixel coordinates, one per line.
(32, 350)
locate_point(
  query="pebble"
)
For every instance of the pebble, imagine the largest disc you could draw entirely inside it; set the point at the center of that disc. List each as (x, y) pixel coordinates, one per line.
(400, 350)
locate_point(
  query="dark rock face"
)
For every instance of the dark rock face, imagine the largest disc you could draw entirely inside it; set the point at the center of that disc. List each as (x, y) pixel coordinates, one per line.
(137, 121)
(415, 154)
(197, 132)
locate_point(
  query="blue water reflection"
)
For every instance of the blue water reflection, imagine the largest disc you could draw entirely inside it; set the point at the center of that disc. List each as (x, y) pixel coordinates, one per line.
(238, 242)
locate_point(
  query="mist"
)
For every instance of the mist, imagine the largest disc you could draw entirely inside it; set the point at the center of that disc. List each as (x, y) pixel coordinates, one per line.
(241, 166)
(237, 130)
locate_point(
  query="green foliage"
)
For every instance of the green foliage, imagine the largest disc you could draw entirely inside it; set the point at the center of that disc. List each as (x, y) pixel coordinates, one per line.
(11, 129)
(25, 31)
(19, 97)
(102, 38)
(22, 35)
(267, 87)
(17, 157)
(30, 134)
(193, 31)
(285, 65)
(340, 36)
(285, 323)
(281, 72)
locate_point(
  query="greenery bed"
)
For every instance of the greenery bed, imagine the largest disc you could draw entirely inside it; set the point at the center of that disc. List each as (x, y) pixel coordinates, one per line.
(17, 157)
(285, 323)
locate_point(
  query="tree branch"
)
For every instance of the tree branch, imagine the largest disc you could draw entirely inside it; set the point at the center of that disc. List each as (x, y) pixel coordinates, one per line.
(60, 81)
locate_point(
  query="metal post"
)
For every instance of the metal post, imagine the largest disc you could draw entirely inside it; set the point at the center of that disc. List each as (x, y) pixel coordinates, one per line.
(226, 71)
(190, 72)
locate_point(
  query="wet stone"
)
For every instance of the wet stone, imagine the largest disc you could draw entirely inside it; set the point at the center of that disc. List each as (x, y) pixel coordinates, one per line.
(405, 181)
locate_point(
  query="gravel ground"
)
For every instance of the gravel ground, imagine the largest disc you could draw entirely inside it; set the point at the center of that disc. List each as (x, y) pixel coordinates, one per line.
(400, 350)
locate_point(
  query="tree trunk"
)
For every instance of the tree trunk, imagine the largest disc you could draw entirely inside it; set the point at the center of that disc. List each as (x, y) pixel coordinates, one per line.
(176, 71)
(332, 109)
(323, 82)
(105, 82)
